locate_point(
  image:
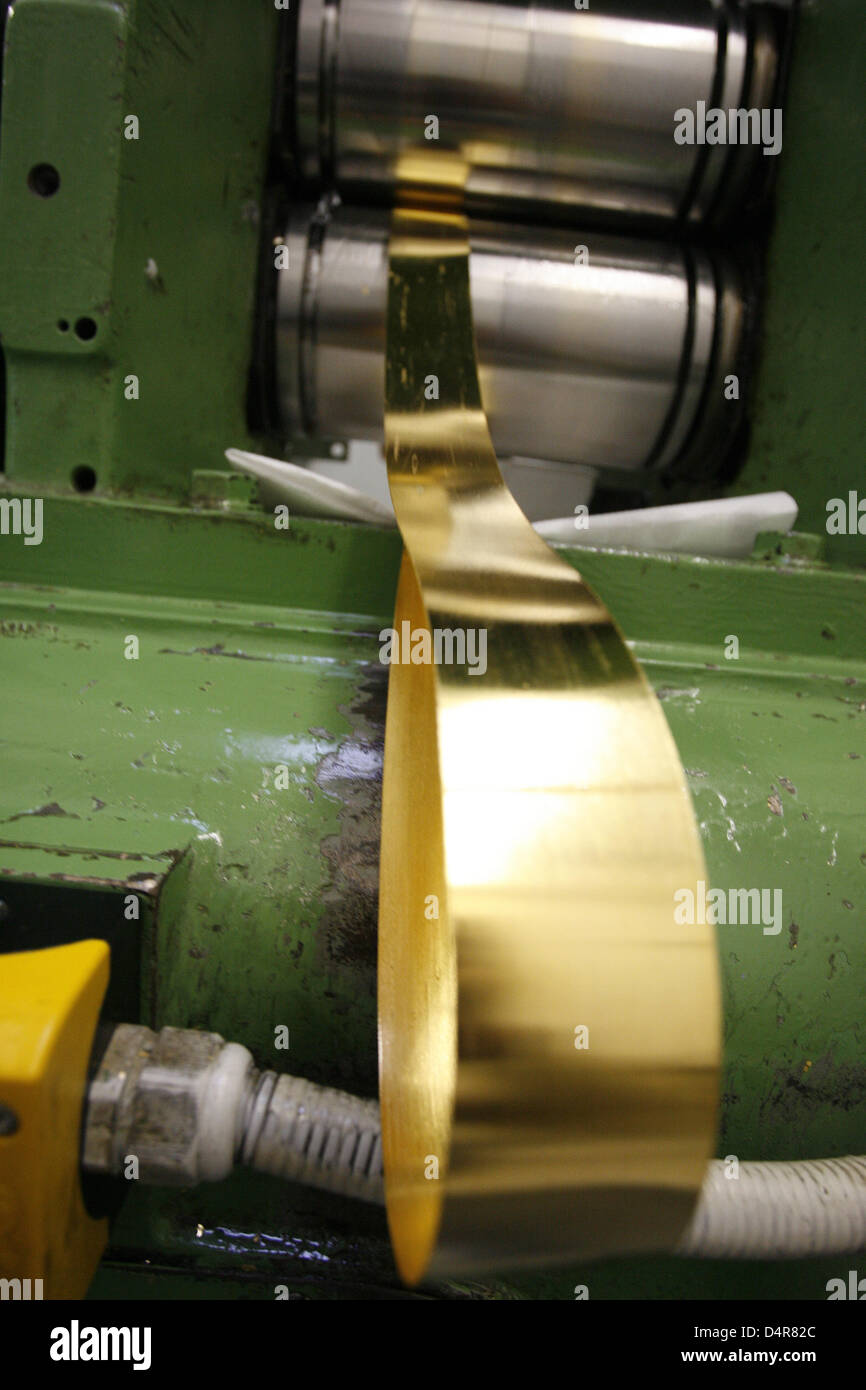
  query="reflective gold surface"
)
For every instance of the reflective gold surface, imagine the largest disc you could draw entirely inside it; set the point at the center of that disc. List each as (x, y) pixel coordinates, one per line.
(541, 808)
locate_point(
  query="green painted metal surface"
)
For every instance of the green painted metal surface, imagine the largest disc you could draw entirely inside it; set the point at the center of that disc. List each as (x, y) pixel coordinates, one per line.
(263, 654)
(218, 762)
(810, 406)
(154, 240)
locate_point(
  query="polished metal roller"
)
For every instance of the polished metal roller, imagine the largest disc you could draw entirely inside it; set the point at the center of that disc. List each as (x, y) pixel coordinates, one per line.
(592, 349)
(542, 105)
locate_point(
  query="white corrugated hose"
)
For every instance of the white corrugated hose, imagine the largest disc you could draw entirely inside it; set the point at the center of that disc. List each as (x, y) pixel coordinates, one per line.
(779, 1210)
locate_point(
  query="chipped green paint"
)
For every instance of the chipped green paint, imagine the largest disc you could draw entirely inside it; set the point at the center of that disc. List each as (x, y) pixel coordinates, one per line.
(181, 755)
(263, 654)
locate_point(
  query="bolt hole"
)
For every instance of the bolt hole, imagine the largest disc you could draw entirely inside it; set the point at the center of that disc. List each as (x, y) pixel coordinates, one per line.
(43, 180)
(84, 479)
(63, 325)
(85, 329)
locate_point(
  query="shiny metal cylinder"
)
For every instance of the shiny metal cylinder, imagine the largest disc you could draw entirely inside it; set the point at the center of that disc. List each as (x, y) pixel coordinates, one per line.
(592, 349)
(537, 104)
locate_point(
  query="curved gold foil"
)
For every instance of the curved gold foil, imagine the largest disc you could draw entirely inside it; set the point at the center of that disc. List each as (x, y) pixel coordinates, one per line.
(549, 1035)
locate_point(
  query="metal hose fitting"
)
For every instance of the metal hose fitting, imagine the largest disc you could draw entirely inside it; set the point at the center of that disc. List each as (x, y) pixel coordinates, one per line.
(181, 1107)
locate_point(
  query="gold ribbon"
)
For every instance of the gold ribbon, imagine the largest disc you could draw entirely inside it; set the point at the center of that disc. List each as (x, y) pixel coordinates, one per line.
(549, 1035)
